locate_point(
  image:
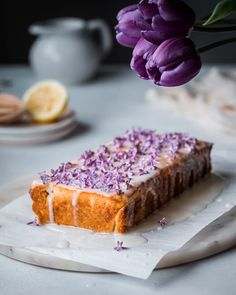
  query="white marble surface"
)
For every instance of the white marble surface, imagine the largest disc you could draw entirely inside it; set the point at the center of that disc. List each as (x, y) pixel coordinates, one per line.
(106, 107)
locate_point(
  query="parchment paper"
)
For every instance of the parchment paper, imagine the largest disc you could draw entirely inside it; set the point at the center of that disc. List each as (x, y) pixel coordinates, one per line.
(147, 243)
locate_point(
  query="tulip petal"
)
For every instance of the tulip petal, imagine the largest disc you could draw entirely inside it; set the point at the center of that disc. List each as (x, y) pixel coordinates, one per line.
(172, 50)
(176, 11)
(125, 10)
(147, 8)
(144, 48)
(143, 25)
(155, 37)
(131, 16)
(182, 74)
(153, 71)
(137, 64)
(127, 23)
(129, 28)
(127, 31)
(153, 74)
(125, 40)
(141, 54)
(170, 28)
(174, 63)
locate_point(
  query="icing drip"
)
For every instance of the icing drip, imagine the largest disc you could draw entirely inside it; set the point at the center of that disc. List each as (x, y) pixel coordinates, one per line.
(155, 193)
(74, 202)
(155, 196)
(50, 203)
(131, 213)
(144, 194)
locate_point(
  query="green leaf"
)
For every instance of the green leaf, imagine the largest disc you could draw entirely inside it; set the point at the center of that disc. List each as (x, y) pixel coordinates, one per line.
(222, 9)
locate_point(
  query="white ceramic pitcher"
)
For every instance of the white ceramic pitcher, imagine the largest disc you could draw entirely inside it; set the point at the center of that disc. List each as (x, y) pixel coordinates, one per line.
(66, 49)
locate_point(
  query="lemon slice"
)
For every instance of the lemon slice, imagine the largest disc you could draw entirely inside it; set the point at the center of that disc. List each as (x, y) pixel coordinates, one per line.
(46, 101)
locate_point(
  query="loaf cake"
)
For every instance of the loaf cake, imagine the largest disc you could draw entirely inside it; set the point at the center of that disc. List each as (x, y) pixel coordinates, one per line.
(115, 186)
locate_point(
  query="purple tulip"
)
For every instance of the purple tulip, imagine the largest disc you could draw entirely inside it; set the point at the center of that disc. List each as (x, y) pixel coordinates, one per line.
(164, 19)
(155, 20)
(127, 31)
(175, 62)
(141, 54)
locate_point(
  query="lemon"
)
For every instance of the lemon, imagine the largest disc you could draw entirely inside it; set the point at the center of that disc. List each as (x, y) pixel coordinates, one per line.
(46, 101)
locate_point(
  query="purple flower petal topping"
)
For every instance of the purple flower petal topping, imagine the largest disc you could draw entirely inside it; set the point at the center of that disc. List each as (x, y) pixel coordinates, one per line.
(112, 168)
(34, 222)
(163, 222)
(119, 246)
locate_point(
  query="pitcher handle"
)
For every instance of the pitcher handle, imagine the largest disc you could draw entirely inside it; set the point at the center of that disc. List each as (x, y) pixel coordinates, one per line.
(105, 33)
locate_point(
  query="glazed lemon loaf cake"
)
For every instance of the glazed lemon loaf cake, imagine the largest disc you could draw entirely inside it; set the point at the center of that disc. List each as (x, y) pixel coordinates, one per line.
(118, 184)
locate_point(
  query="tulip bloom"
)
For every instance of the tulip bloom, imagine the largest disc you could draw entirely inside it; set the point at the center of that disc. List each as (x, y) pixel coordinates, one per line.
(175, 62)
(155, 20)
(127, 31)
(164, 19)
(158, 31)
(141, 54)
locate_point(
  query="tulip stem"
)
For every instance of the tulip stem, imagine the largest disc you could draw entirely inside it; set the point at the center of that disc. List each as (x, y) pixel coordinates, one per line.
(215, 29)
(216, 44)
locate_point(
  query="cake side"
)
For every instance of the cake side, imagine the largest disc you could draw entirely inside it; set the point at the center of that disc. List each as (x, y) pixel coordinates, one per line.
(75, 208)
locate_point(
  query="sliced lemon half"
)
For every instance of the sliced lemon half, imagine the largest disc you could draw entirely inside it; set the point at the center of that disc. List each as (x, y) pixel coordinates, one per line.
(46, 101)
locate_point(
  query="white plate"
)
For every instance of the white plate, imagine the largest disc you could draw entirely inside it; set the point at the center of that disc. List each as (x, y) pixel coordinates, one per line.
(33, 133)
(38, 138)
(26, 128)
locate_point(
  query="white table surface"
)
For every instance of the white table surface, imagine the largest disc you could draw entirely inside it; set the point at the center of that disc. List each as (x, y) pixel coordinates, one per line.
(106, 107)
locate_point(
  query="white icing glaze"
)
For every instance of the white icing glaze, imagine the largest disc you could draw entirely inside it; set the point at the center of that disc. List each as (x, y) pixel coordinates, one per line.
(75, 198)
(92, 201)
(144, 194)
(155, 201)
(161, 161)
(50, 202)
(89, 190)
(152, 191)
(137, 180)
(69, 238)
(131, 212)
(74, 202)
(35, 183)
